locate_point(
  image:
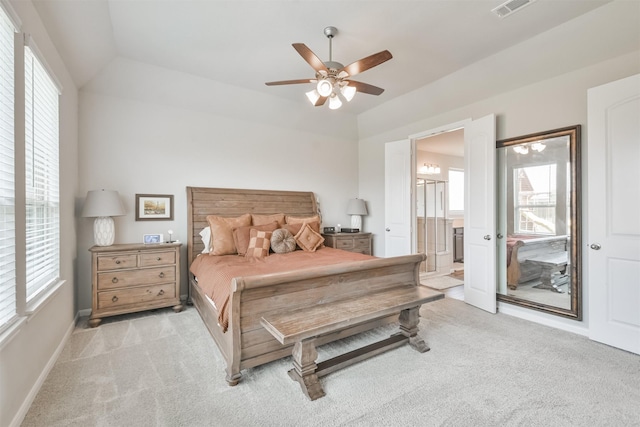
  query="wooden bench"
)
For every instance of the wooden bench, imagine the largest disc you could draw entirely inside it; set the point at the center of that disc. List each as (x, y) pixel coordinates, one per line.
(521, 248)
(552, 265)
(302, 327)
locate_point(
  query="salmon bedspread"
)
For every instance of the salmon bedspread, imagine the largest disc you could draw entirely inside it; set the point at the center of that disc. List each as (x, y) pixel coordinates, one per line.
(214, 273)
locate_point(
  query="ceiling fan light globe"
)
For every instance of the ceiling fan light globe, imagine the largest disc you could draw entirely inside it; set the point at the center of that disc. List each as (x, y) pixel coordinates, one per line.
(334, 102)
(348, 92)
(324, 88)
(313, 96)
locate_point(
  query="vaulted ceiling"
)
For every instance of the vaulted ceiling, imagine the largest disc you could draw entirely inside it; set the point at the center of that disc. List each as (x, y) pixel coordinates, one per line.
(247, 43)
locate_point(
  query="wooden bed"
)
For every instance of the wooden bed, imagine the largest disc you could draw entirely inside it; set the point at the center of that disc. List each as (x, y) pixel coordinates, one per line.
(246, 343)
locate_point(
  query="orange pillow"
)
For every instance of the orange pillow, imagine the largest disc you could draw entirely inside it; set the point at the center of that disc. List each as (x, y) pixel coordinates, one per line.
(259, 243)
(242, 235)
(308, 239)
(295, 227)
(298, 219)
(222, 232)
(268, 219)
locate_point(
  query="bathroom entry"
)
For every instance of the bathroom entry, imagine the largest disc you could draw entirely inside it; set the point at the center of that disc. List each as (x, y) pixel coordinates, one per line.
(438, 211)
(433, 236)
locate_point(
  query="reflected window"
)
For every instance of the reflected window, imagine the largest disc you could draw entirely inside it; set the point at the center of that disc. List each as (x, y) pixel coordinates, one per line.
(535, 199)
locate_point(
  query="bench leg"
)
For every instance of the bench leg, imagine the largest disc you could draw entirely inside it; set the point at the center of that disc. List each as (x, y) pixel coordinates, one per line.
(409, 320)
(304, 368)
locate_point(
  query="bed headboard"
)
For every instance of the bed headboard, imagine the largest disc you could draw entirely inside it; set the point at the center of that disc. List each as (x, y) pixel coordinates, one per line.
(203, 201)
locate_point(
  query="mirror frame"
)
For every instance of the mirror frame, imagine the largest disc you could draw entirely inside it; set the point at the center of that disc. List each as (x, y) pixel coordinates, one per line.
(573, 132)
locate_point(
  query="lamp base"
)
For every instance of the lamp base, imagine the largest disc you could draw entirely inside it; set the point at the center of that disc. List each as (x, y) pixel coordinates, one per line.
(104, 231)
(356, 222)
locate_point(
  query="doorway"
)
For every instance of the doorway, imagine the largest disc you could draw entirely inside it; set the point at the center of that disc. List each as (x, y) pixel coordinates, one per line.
(440, 210)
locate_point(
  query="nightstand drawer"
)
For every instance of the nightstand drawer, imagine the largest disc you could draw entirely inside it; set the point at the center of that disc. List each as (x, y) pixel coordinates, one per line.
(344, 244)
(157, 258)
(361, 243)
(116, 262)
(136, 295)
(352, 242)
(119, 279)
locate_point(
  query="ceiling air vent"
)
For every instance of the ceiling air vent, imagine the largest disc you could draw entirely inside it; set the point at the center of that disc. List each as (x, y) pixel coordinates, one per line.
(507, 8)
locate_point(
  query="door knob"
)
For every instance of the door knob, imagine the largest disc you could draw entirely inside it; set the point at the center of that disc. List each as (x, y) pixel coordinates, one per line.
(500, 236)
(387, 229)
(487, 237)
(595, 246)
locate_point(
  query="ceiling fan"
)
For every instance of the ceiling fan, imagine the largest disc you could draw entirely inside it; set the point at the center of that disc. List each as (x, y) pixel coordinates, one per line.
(332, 78)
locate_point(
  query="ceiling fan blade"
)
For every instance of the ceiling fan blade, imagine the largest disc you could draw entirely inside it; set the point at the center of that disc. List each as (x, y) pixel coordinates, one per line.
(369, 62)
(290, 82)
(321, 101)
(366, 88)
(311, 58)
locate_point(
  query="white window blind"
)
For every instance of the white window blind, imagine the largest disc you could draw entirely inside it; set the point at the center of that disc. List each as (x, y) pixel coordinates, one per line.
(7, 173)
(42, 176)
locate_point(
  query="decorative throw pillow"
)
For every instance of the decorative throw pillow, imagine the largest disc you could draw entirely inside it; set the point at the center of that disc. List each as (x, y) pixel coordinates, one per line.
(259, 243)
(268, 219)
(299, 219)
(308, 239)
(241, 235)
(222, 232)
(282, 241)
(206, 239)
(295, 227)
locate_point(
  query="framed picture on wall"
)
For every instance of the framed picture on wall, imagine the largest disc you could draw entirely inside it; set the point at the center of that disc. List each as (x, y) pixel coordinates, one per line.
(154, 207)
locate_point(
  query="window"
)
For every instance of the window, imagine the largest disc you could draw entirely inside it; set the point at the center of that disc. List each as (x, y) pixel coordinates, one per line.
(7, 168)
(29, 230)
(41, 166)
(456, 190)
(535, 199)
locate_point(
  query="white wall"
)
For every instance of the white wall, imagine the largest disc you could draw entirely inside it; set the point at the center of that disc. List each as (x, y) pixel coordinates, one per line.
(140, 141)
(27, 357)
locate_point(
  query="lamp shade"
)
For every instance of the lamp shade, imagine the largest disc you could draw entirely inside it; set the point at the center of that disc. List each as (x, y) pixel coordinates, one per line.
(102, 203)
(356, 207)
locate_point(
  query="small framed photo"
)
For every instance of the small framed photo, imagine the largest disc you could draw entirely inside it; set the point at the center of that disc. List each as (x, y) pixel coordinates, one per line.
(154, 207)
(150, 239)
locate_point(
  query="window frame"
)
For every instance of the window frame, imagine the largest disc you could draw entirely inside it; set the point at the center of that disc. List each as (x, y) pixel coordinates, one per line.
(24, 308)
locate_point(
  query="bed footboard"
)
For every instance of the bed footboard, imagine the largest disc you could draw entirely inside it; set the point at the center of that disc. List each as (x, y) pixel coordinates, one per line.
(257, 296)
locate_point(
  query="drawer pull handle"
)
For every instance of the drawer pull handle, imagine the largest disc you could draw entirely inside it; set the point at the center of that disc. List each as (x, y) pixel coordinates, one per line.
(114, 280)
(161, 292)
(158, 259)
(114, 299)
(118, 262)
(161, 275)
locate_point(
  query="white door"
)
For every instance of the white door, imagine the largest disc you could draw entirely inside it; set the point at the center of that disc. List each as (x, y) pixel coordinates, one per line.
(480, 213)
(397, 192)
(613, 227)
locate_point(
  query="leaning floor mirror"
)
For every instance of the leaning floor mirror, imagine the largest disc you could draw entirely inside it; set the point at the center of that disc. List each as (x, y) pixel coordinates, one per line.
(539, 251)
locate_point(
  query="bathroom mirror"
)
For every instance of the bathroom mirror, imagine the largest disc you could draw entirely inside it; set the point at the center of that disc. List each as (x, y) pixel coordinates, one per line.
(539, 251)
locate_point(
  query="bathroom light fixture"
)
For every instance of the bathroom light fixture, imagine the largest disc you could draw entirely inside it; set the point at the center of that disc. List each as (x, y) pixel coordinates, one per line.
(429, 169)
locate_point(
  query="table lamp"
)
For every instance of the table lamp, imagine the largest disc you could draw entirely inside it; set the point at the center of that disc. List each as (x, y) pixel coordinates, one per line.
(103, 204)
(356, 208)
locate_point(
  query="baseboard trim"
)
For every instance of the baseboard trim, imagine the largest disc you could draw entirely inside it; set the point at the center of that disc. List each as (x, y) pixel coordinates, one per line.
(24, 408)
(544, 319)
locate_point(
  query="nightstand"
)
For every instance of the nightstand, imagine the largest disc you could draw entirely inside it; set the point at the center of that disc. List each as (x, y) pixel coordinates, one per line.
(134, 277)
(352, 242)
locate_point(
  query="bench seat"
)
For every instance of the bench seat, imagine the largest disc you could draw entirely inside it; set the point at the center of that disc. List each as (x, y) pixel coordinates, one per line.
(303, 326)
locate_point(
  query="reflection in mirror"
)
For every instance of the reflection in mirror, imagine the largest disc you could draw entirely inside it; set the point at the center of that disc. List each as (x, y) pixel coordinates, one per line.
(538, 219)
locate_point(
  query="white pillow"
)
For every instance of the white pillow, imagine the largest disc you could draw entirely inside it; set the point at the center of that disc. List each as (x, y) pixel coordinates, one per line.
(206, 239)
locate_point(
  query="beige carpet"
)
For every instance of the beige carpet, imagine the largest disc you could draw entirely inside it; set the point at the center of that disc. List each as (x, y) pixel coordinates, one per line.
(163, 369)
